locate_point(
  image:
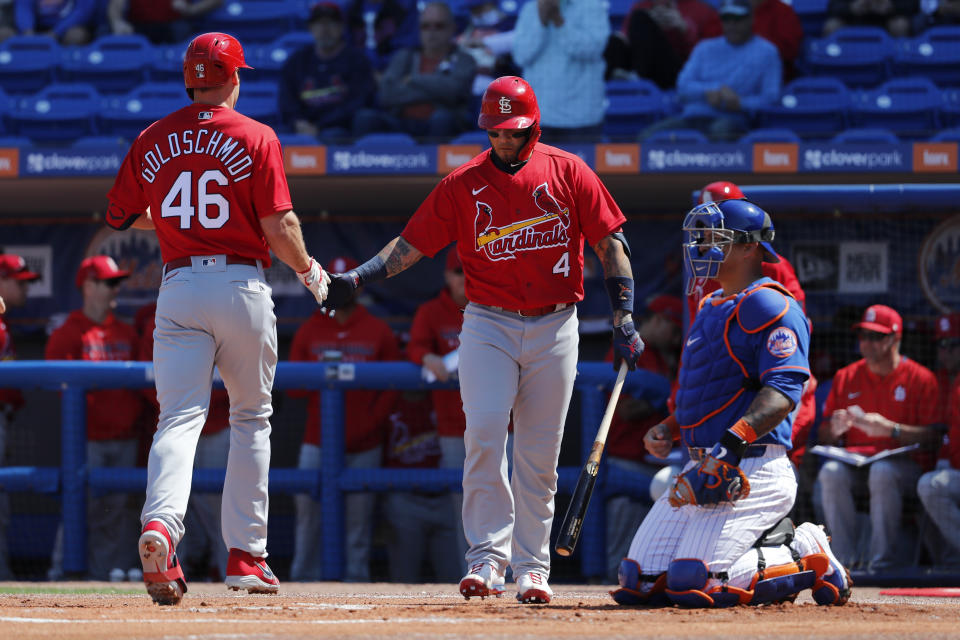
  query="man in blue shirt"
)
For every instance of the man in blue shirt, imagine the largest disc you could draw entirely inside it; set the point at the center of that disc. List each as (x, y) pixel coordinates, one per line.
(726, 79)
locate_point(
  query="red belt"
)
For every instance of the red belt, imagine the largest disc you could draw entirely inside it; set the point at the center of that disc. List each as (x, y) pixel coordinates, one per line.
(188, 261)
(535, 311)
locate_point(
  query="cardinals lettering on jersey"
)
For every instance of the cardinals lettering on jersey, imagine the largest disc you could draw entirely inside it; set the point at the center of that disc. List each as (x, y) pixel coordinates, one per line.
(500, 243)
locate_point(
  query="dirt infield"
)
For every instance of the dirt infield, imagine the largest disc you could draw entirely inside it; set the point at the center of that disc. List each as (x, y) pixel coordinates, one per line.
(335, 610)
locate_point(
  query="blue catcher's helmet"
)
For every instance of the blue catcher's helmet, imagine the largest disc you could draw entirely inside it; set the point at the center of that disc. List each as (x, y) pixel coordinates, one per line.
(710, 228)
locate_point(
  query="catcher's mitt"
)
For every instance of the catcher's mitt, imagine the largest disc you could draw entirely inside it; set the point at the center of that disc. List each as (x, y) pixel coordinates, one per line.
(716, 480)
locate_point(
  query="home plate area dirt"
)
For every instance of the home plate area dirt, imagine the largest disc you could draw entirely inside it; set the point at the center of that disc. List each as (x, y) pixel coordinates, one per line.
(335, 610)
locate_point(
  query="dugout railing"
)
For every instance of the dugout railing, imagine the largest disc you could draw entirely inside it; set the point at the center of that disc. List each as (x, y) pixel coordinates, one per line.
(72, 479)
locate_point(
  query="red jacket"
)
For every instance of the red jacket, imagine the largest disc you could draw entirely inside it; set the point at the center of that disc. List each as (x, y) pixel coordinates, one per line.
(778, 22)
(436, 329)
(803, 421)
(11, 397)
(362, 338)
(111, 414)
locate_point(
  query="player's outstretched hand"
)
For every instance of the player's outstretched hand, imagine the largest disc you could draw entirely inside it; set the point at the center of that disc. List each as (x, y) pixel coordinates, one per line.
(627, 345)
(342, 288)
(658, 440)
(716, 480)
(316, 280)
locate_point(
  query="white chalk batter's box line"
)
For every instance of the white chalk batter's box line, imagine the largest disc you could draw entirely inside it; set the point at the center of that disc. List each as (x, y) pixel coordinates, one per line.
(445, 621)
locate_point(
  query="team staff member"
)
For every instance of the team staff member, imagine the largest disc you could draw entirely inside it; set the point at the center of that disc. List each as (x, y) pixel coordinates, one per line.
(14, 278)
(519, 214)
(743, 368)
(211, 182)
(896, 404)
(95, 334)
(353, 334)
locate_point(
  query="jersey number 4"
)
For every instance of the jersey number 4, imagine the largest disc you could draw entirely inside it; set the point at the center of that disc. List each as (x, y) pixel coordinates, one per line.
(178, 203)
(563, 265)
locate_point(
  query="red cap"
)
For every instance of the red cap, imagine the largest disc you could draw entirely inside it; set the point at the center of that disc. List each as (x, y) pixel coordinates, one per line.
(99, 268)
(13, 266)
(882, 319)
(721, 190)
(342, 264)
(948, 326)
(453, 260)
(670, 306)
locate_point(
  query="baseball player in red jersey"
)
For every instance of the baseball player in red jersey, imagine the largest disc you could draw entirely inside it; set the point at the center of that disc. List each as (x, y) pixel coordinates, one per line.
(211, 182)
(882, 401)
(14, 278)
(352, 335)
(94, 333)
(519, 214)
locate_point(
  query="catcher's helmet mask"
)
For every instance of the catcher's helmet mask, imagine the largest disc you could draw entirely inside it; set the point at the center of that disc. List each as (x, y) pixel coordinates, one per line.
(710, 229)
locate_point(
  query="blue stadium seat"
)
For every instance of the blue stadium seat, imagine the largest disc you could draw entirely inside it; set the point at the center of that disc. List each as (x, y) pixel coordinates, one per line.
(866, 136)
(770, 135)
(809, 107)
(258, 100)
(934, 54)
(167, 63)
(297, 140)
(15, 141)
(61, 112)
(908, 106)
(395, 139)
(812, 14)
(478, 136)
(128, 115)
(6, 105)
(860, 56)
(947, 135)
(28, 63)
(112, 64)
(950, 110)
(677, 136)
(631, 106)
(268, 59)
(254, 20)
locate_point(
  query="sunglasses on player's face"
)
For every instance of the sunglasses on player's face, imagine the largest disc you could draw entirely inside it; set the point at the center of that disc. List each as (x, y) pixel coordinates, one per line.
(516, 135)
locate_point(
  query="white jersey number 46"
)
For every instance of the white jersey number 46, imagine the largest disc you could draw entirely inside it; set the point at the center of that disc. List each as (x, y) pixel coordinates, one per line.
(563, 265)
(178, 203)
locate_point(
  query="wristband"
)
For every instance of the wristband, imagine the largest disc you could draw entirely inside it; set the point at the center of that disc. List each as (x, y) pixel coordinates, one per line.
(744, 431)
(620, 290)
(373, 270)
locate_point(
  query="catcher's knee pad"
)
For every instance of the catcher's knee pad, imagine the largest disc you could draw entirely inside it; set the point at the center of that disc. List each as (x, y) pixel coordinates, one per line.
(630, 579)
(687, 583)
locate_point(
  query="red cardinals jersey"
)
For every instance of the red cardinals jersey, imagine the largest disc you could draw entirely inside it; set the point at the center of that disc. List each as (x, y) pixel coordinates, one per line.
(803, 421)
(208, 175)
(412, 439)
(907, 395)
(111, 414)
(436, 329)
(362, 338)
(11, 397)
(520, 237)
(782, 272)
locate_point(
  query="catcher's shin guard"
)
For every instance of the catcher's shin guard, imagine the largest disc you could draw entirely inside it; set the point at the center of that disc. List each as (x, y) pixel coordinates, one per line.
(630, 579)
(687, 582)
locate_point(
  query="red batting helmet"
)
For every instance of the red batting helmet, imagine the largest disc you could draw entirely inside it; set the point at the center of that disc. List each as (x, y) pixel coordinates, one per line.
(211, 59)
(509, 103)
(722, 190)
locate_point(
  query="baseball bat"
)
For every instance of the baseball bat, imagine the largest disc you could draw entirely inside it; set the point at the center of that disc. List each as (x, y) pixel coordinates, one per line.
(573, 521)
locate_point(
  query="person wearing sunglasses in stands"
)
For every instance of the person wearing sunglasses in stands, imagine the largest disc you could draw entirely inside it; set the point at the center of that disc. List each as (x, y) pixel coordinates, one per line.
(883, 401)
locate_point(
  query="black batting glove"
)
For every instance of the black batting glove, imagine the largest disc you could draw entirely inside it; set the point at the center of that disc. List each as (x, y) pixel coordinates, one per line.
(341, 290)
(627, 345)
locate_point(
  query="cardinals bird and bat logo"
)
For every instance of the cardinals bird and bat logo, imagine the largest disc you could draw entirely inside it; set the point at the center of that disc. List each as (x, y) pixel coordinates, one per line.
(501, 243)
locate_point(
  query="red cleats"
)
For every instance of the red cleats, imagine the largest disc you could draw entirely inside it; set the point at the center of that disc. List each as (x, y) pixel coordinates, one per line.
(244, 571)
(161, 572)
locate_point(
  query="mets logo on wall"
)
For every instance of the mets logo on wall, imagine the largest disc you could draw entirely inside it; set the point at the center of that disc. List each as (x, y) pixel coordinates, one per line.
(782, 342)
(546, 230)
(940, 266)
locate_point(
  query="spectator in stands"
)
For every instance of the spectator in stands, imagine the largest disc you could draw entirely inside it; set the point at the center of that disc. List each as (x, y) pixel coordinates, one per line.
(71, 22)
(882, 401)
(936, 12)
(684, 23)
(423, 520)
(7, 23)
(893, 15)
(726, 78)
(559, 44)
(204, 547)
(162, 21)
(489, 39)
(939, 490)
(94, 333)
(424, 91)
(352, 335)
(14, 278)
(776, 21)
(639, 408)
(434, 339)
(323, 86)
(382, 27)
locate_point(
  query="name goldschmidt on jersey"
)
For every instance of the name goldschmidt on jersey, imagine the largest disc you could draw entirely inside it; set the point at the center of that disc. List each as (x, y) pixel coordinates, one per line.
(235, 158)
